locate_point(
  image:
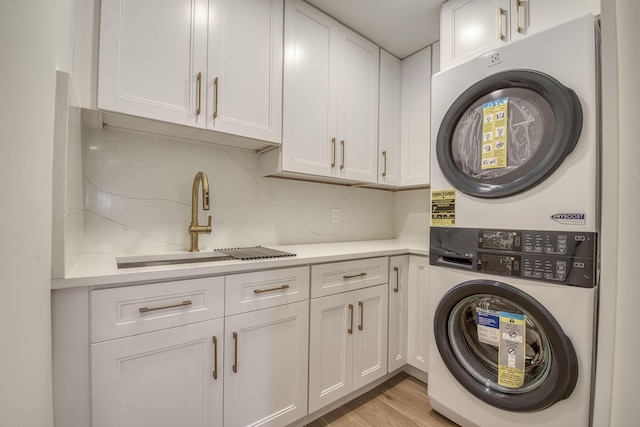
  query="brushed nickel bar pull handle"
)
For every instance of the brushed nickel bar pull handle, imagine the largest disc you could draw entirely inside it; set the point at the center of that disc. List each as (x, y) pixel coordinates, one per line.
(279, 288)
(342, 160)
(355, 275)
(180, 304)
(215, 358)
(384, 156)
(518, 27)
(361, 325)
(234, 368)
(397, 288)
(350, 330)
(215, 94)
(199, 94)
(333, 144)
(500, 13)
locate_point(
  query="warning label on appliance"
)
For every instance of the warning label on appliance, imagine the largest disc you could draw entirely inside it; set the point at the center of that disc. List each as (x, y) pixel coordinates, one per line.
(511, 351)
(494, 134)
(488, 327)
(443, 207)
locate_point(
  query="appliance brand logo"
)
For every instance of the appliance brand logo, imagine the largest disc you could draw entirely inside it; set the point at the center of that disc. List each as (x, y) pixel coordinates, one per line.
(570, 218)
(495, 59)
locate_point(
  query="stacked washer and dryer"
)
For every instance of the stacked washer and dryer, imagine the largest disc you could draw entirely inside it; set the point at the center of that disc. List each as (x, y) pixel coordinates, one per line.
(514, 232)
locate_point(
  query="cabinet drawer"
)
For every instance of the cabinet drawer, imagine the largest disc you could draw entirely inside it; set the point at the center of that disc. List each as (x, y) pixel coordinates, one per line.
(253, 291)
(336, 277)
(131, 310)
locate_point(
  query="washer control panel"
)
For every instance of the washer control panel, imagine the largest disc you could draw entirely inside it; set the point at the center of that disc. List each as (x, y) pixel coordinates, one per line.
(561, 257)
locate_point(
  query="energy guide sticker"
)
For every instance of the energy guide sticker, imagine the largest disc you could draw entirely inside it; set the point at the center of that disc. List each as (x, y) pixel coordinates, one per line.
(494, 134)
(511, 351)
(443, 207)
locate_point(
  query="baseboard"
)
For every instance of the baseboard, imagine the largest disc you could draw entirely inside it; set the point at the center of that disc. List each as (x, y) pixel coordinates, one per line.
(416, 373)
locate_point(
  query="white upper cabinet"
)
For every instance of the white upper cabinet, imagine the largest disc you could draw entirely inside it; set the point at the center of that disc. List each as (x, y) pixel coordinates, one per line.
(244, 84)
(358, 107)
(405, 120)
(471, 27)
(310, 92)
(159, 59)
(389, 119)
(532, 16)
(153, 59)
(330, 117)
(416, 119)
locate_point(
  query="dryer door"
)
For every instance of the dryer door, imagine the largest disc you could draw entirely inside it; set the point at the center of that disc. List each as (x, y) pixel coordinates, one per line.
(504, 347)
(508, 133)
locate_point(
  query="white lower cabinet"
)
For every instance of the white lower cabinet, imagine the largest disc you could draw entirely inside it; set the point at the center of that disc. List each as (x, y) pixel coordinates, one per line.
(398, 301)
(418, 313)
(165, 378)
(165, 354)
(266, 361)
(348, 343)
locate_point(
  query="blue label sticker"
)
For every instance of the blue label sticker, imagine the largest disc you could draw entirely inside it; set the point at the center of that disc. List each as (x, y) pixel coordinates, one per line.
(488, 327)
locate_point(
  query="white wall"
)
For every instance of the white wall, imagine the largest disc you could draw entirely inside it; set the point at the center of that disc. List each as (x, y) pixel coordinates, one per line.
(617, 375)
(35, 40)
(626, 375)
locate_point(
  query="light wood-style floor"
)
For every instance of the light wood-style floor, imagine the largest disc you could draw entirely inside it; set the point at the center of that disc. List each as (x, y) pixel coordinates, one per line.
(401, 401)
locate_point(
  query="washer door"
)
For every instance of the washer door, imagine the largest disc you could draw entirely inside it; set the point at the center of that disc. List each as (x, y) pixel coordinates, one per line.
(508, 133)
(550, 362)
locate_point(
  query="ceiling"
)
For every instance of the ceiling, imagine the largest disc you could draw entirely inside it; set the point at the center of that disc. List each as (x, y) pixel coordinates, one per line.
(401, 27)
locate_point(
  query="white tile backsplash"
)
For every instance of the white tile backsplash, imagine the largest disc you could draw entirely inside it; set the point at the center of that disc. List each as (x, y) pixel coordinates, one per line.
(138, 199)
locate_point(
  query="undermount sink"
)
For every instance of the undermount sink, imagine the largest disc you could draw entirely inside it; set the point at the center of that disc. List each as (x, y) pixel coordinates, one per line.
(256, 252)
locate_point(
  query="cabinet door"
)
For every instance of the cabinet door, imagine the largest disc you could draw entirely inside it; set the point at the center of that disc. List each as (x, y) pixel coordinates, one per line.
(370, 335)
(359, 62)
(310, 90)
(266, 362)
(331, 349)
(531, 16)
(244, 85)
(151, 54)
(416, 118)
(398, 299)
(389, 119)
(470, 27)
(160, 379)
(418, 337)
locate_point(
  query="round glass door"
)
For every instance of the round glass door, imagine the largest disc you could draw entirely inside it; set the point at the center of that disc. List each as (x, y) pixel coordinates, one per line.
(508, 133)
(478, 346)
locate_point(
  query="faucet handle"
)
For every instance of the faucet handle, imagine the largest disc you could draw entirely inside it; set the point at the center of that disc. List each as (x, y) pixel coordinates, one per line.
(201, 228)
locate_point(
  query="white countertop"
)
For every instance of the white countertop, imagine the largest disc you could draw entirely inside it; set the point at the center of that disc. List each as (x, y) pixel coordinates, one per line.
(101, 269)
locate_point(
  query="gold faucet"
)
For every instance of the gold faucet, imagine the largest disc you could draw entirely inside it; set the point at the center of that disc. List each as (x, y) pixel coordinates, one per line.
(194, 227)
